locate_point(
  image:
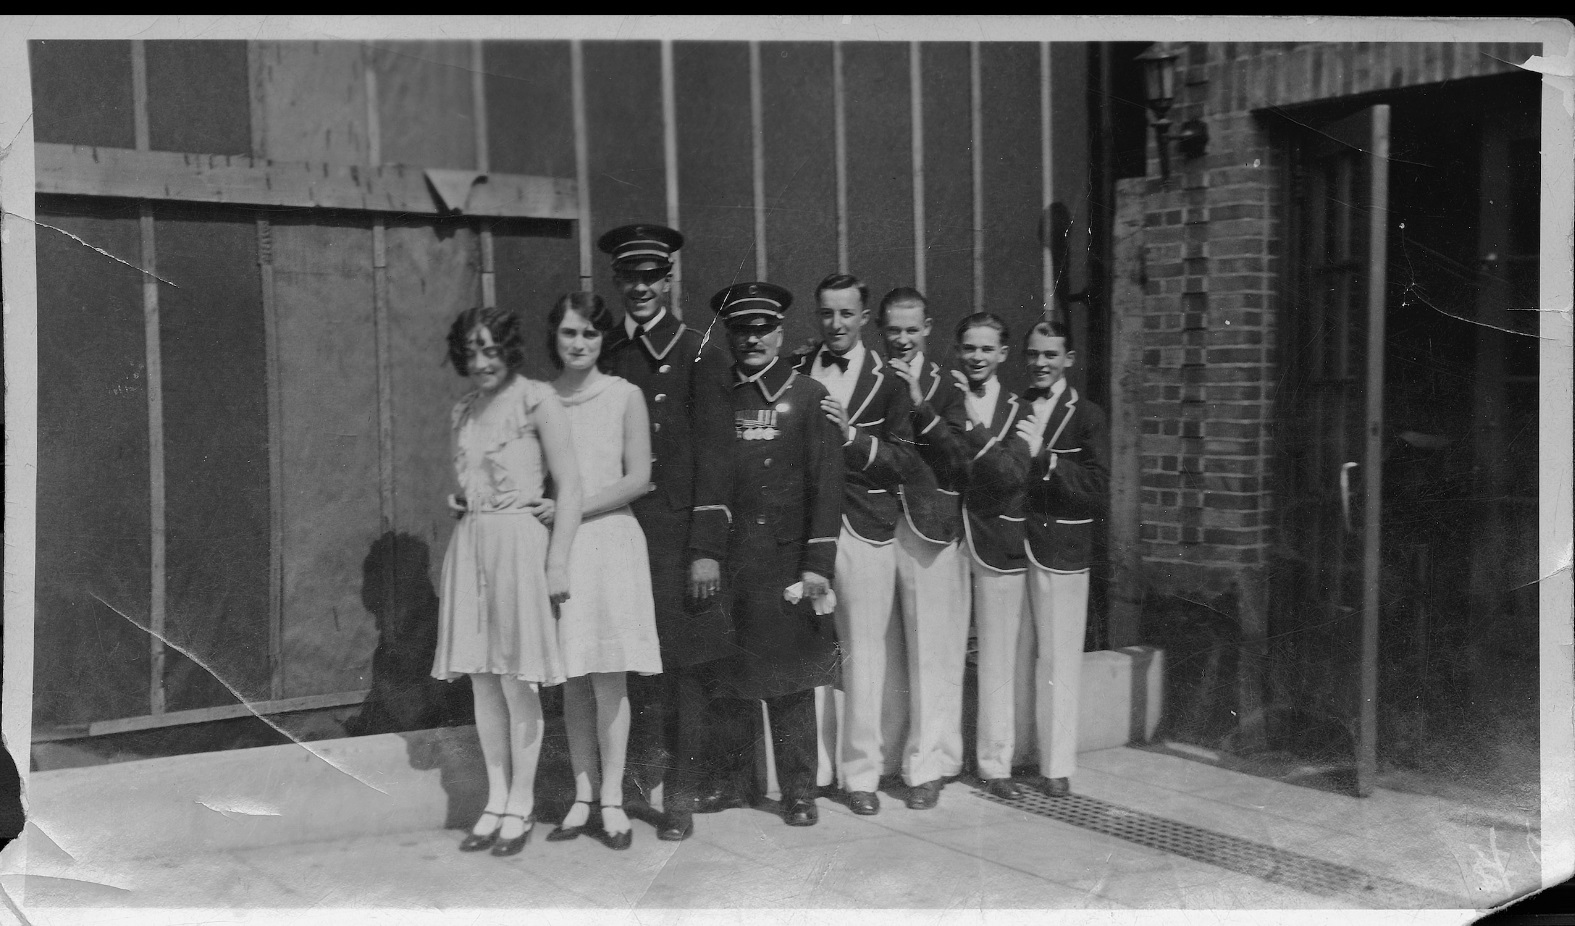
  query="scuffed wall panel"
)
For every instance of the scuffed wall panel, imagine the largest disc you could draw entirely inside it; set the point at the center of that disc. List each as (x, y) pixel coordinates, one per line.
(424, 103)
(1013, 188)
(82, 93)
(948, 189)
(329, 465)
(91, 653)
(198, 97)
(530, 130)
(215, 455)
(715, 179)
(880, 166)
(801, 172)
(623, 110)
(312, 104)
(432, 277)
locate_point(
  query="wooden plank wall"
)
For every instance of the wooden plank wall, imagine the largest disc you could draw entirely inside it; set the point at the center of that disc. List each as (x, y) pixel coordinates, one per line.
(330, 325)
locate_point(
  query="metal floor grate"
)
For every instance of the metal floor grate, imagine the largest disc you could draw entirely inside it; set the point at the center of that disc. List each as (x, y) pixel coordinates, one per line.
(1277, 866)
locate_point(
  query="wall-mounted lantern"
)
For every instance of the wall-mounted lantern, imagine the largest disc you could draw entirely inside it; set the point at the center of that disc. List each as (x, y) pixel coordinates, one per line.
(1159, 83)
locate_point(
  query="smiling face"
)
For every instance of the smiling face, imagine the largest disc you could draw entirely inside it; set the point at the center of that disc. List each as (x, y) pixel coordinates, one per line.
(579, 344)
(904, 330)
(841, 317)
(646, 287)
(484, 360)
(755, 342)
(1047, 359)
(980, 351)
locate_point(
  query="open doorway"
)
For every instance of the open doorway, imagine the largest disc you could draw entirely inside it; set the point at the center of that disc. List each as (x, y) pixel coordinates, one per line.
(1407, 518)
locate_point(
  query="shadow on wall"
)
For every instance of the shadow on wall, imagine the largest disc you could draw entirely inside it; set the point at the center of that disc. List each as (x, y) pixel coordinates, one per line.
(396, 587)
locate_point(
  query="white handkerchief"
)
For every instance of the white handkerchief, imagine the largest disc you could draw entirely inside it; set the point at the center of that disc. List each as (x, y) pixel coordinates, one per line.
(827, 603)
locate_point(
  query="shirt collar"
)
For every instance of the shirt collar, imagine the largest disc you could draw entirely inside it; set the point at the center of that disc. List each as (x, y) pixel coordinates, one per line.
(629, 322)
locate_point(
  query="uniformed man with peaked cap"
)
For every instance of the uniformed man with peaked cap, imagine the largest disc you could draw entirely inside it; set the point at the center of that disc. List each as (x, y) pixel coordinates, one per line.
(781, 476)
(671, 364)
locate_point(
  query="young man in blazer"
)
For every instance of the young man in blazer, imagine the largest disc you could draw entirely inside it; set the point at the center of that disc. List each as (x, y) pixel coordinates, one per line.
(932, 570)
(993, 533)
(870, 407)
(1066, 491)
(667, 359)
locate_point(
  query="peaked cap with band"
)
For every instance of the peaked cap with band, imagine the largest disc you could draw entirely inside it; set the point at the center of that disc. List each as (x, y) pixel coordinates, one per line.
(636, 243)
(747, 301)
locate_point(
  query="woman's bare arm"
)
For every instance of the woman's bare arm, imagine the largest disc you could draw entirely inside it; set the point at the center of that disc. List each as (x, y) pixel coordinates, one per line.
(552, 423)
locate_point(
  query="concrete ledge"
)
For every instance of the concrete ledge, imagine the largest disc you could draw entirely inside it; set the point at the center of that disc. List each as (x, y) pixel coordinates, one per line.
(387, 783)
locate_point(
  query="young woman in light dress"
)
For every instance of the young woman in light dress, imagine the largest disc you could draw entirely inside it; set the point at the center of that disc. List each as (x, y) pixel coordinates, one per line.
(608, 628)
(505, 573)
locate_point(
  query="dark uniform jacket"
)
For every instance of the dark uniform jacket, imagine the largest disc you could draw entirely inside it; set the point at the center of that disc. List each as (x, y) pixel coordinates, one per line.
(673, 366)
(1067, 485)
(880, 451)
(781, 475)
(996, 469)
(937, 470)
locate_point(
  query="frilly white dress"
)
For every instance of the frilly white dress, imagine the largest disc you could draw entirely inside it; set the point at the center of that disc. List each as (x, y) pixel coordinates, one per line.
(495, 615)
(609, 622)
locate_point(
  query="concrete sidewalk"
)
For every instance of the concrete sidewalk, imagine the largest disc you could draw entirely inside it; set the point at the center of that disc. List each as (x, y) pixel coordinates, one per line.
(1244, 843)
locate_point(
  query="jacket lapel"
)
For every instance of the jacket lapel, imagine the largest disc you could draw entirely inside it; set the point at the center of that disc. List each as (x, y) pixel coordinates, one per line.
(871, 375)
(659, 341)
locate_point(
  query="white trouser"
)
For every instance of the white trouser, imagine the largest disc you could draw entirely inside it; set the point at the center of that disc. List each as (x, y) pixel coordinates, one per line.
(932, 594)
(999, 603)
(866, 586)
(1058, 603)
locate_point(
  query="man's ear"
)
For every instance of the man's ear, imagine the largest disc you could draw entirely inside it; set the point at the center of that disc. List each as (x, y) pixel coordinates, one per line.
(1071, 359)
(1005, 350)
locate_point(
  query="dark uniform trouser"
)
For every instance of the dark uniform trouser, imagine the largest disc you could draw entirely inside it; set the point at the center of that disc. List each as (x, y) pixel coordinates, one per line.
(793, 738)
(668, 739)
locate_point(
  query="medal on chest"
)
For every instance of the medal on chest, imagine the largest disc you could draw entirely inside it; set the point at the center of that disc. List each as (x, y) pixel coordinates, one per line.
(760, 424)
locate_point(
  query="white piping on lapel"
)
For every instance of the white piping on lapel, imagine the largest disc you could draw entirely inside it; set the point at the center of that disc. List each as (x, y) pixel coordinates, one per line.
(662, 354)
(875, 364)
(935, 380)
(1071, 409)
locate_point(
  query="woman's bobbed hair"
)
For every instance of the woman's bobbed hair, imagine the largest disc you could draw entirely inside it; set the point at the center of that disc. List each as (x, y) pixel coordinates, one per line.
(505, 327)
(588, 306)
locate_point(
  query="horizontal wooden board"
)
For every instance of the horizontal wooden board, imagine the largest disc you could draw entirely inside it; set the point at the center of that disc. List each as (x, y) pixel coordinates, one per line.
(85, 171)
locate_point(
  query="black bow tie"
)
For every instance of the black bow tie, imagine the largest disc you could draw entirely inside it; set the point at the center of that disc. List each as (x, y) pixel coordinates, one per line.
(977, 388)
(1035, 394)
(828, 359)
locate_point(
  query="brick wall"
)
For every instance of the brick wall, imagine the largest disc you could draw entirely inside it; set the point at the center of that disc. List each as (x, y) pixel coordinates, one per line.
(1197, 293)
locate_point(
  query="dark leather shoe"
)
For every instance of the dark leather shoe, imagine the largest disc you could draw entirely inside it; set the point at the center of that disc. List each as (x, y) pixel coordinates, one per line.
(802, 812)
(475, 843)
(718, 800)
(1054, 787)
(562, 833)
(864, 803)
(1004, 788)
(675, 827)
(925, 796)
(514, 846)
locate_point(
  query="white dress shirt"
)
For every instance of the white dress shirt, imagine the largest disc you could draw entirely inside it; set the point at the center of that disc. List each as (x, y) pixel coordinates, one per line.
(981, 408)
(839, 383)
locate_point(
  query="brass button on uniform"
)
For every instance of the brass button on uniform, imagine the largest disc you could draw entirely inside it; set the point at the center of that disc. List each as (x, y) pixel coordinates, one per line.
(661, 397)
(766, 462)
(761, 520)
(656, 426)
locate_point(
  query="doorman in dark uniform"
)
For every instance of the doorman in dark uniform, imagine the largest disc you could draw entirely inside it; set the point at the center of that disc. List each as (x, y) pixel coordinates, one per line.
(1065, 495)
(781, 474)
(671, 364)
(870, 406)
(932, 568)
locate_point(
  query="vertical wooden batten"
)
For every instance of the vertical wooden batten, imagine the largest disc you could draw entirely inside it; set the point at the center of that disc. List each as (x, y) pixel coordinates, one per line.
(259, 124)
(976, 122)
(916, 85)
(757, 136)
(1047, 228)
(380, 321)
(582, 157)
(840, 111)
(158, 597)
(670, 167)
(478, 98)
